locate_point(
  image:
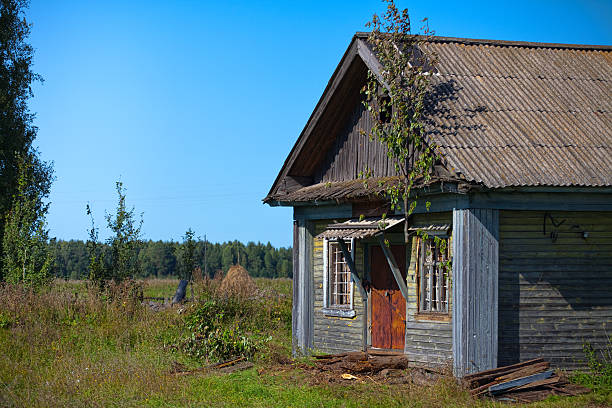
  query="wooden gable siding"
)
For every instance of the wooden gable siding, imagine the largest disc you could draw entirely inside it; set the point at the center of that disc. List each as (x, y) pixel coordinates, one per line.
(427, 341)
(555, 291)
(335, 334)
(352, 152)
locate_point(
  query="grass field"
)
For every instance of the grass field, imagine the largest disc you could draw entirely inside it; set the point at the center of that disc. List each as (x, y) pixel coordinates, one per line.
(68, 346)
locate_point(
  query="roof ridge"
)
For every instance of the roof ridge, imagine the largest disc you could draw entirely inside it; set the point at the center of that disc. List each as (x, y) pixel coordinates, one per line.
(506, 43)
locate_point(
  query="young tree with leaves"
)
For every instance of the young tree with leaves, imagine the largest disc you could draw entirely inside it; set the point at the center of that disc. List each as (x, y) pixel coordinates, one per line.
(187, 255)
(395, 98)
(26, 255)
(124, 243)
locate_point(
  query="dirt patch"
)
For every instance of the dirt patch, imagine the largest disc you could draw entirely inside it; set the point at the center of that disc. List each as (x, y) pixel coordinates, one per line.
(237, 282)
(359, 367)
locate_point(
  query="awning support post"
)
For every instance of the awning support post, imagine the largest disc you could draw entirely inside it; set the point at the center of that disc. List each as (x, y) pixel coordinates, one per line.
(397, 274)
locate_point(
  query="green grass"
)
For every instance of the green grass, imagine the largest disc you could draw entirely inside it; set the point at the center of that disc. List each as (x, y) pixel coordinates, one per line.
(66, 347)
(159, 287)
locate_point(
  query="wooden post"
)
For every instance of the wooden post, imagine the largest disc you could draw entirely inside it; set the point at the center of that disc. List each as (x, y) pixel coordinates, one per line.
(397, 274)
(475, 287)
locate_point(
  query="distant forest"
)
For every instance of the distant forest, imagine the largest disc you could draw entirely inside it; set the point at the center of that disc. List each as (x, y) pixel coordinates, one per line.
(160, 259)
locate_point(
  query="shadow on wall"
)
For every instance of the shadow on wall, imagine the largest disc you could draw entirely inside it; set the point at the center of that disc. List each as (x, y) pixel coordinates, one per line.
(555, 292)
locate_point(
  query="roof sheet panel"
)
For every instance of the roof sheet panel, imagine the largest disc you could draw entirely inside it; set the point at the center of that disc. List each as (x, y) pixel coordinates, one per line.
(524, 115)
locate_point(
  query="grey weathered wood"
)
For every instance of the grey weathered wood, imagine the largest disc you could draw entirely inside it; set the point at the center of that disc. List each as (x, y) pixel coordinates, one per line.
(322, 212)
(475, 286)
(394, 268)
(554, 296)
(302, 314)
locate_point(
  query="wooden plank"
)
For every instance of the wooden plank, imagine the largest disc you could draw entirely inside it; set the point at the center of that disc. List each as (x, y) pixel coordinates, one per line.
(501, 388)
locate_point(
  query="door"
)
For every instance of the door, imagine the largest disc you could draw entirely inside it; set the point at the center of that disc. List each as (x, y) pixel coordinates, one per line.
(388, 304)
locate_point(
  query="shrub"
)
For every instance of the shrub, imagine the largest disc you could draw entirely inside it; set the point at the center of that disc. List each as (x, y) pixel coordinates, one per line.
(216, 332)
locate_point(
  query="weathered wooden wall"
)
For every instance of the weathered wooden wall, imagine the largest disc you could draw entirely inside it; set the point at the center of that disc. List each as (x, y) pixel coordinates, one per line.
(335, 334)
(555, 291)
(353, 152)
(301, 324)
(428, 341)
(475, 290)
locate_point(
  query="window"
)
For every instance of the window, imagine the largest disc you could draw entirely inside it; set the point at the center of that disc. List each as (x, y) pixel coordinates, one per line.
(339, 283)
(433, 275)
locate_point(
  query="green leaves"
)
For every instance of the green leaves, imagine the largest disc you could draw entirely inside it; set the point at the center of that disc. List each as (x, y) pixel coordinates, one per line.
(26, 256)
(396, 102)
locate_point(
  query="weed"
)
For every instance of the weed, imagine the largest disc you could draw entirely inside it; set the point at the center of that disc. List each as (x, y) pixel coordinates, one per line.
(599, 376)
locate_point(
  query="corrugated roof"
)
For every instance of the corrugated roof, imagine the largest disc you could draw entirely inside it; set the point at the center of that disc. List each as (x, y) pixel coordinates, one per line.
(360, 228)
(514, 114)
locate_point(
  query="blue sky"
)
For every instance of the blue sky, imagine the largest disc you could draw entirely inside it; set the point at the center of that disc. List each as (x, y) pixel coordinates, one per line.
(194, 105)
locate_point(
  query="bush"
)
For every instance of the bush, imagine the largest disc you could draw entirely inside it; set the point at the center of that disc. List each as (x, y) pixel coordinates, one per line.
(216, 331)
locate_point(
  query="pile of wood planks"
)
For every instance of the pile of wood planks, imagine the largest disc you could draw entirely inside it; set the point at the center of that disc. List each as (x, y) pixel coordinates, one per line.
(528, 381)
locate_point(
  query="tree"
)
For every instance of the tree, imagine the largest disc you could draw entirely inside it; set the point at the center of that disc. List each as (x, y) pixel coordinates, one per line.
(187, 255)
(124, 244)
(396, 99)
(26, 257)
(17, 131)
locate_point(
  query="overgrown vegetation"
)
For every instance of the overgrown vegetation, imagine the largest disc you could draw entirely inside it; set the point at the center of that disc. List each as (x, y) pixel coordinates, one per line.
(599, 375)
(65, 345)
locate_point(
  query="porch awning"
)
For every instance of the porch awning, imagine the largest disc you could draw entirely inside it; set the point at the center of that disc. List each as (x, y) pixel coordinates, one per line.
(359, 229)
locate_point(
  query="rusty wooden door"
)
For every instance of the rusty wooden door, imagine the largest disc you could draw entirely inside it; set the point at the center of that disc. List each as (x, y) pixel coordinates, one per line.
(388, 304)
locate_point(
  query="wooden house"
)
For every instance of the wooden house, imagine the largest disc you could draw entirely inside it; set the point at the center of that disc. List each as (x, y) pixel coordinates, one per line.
(522, 197)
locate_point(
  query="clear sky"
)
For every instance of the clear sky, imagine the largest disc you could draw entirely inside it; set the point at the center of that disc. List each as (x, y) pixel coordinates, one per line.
(194, 105)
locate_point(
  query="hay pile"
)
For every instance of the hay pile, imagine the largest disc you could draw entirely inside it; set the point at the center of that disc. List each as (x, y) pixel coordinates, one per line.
(237, 283)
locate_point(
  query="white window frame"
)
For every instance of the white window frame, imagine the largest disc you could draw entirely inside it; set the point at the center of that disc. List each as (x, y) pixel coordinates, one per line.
(426, 287)
(327, 278)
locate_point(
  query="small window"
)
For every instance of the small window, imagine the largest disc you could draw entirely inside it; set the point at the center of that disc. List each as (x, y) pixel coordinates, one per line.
(340, 287)
(433, 275)
(386, 110)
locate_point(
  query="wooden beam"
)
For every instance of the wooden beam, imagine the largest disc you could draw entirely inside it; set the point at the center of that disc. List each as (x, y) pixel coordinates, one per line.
(351, 265)
(397, 274)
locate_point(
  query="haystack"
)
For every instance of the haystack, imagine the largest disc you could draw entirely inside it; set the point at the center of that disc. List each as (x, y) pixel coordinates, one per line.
(237, 282)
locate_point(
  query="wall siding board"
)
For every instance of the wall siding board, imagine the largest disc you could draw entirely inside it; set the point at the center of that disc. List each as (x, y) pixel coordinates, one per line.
(475, 287)
(427, 341)
(334, 334)
(554, 296)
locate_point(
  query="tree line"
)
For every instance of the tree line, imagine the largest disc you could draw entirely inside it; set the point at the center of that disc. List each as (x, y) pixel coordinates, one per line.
(161, 259)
